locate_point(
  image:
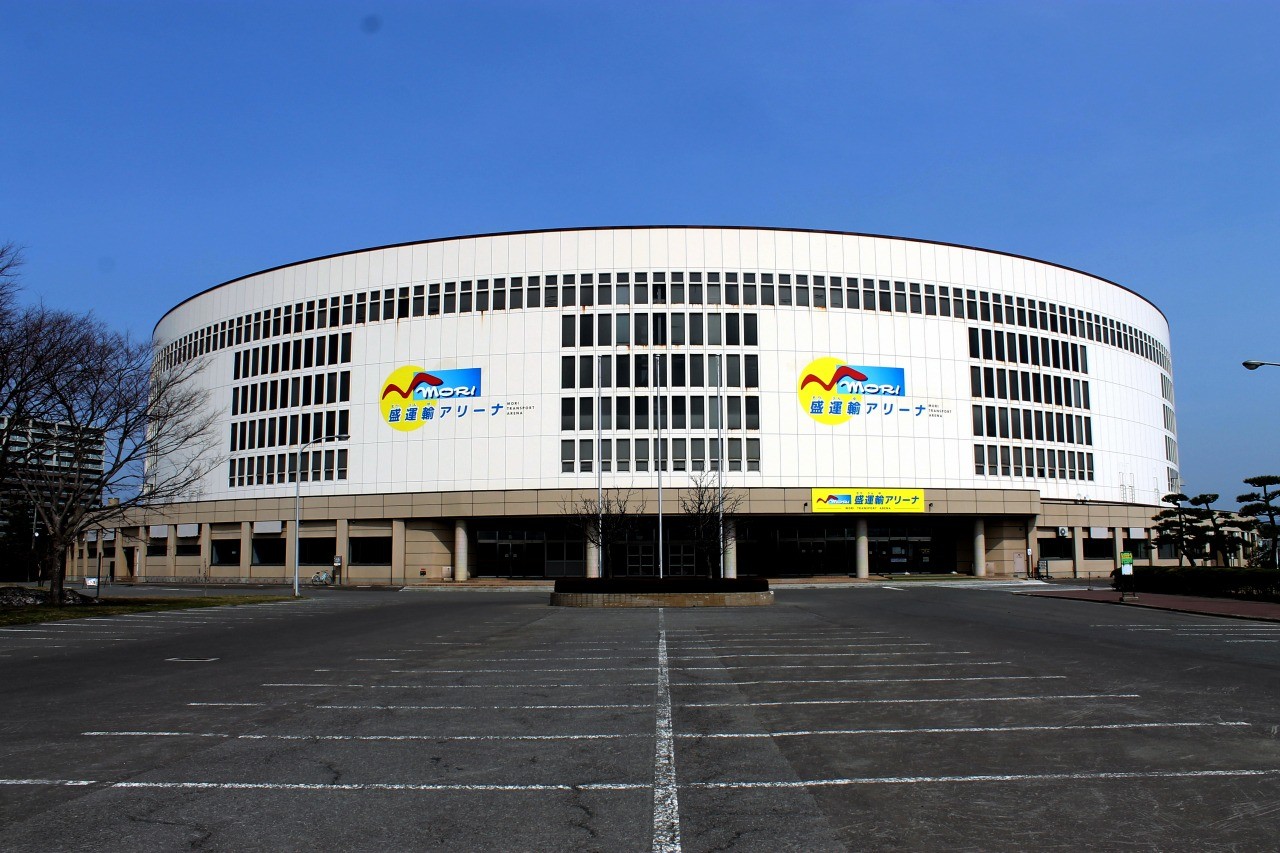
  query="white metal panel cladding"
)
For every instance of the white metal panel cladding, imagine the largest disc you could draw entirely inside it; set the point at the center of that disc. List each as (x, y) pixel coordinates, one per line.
(519, 352)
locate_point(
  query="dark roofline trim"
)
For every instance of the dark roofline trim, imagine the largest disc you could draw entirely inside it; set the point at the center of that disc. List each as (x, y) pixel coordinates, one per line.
(655, 228)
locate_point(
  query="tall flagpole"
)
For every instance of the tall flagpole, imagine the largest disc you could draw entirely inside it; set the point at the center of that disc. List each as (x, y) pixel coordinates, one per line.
(657, 421)
(720, 453)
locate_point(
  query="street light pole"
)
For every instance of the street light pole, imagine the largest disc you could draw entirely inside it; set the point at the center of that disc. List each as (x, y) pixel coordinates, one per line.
(1254, 365)
(297, 499)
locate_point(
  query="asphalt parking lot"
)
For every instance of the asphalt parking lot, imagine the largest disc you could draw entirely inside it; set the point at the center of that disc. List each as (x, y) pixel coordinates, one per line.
(890, 717)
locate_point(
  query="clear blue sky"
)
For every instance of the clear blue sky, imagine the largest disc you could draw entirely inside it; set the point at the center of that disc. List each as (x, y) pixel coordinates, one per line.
(151, 149)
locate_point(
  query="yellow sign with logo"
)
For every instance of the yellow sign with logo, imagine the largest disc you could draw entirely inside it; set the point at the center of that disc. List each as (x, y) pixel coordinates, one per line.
(868, 500)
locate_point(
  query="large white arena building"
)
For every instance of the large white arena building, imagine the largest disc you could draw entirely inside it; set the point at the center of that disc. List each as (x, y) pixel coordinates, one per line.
(877, 404)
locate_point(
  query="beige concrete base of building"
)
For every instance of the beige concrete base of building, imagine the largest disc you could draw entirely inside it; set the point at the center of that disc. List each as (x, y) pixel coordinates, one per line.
(662, 599)
(431, 537)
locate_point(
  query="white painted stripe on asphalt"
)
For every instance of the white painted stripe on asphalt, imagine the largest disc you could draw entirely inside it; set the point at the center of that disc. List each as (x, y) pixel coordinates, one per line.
(894, 588)
(867, 680)
(778, 666)
(226, 704)
(557, 670)
(460, 686)
(795, 644)
(619, 658)
(321, 787)
(666, 803)
(645, 705)
(958, 730)
(959, 663)
(378, 659)
(791, 654)
(317, 737)
(1048, 698)
(1010, 777)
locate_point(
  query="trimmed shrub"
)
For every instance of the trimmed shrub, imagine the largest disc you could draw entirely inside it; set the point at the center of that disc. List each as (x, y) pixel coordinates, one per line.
(1210, 581)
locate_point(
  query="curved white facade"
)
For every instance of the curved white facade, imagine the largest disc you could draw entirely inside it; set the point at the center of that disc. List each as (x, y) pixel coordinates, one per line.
(1091, 408)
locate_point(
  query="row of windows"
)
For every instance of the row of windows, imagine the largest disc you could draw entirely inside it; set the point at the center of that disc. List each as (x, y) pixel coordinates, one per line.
(1170, 424)
(991, 460)
(283, 468)
(1171, 450)
(643, 288)
(1024, 386)
(692, 370)
(318, 390)
(995, 345)
(326, 312)
(288, 429)
(609, 329)
(671, 454)
(674, 412)
(1031, 424)
(300, 354)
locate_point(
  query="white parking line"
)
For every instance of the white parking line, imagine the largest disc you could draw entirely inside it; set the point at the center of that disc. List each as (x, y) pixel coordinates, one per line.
(459, 686)
(615, 705)
(392, 738)
(1048, 698)
(958, 730)
(1011, 777)
(789, 666)
(792, 654)
(320, 787)
(867, 680)
(666, 804)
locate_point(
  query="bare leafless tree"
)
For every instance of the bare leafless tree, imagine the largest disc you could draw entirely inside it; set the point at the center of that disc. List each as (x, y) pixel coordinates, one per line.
(705, 506)
(606, 522)
(96, 427)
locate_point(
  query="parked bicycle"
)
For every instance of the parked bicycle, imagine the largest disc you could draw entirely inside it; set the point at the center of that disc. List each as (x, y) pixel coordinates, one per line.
(322, 578)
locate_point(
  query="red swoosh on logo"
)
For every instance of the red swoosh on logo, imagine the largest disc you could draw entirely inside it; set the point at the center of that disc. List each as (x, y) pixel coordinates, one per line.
(418, 379)
(827, 499)
(844, 371)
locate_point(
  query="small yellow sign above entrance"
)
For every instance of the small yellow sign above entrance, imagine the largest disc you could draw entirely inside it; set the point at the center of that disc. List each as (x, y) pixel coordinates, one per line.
(868, 500)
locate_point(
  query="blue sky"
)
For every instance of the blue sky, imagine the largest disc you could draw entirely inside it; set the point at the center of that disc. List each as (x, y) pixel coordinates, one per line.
(152, 149)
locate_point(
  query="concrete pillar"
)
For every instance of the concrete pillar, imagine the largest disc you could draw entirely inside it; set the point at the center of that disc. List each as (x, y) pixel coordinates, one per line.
(593, 559)
(342, 545)
(730, 548)
(397, 550)
(1077, 551)
(979, 548)
(1117, 534)
(246, 549)
(171, 551)
(460, 556)
(144, 545)
(206, 549)
(290, 554)
(862, 550)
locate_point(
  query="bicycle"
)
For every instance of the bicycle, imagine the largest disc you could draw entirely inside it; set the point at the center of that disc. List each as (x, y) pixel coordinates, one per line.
(322, 578)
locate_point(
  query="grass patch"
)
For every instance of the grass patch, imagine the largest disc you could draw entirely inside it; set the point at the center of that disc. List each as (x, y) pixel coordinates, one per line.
(123, 606)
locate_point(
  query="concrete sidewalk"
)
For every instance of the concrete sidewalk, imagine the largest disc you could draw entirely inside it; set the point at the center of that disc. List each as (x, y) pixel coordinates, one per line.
(1232, 608)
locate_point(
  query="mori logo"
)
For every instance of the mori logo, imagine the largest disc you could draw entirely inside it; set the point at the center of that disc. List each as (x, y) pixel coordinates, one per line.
(831, 391)
(410, 394)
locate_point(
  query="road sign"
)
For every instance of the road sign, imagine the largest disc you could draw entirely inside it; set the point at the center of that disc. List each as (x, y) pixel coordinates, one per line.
(1126, 558)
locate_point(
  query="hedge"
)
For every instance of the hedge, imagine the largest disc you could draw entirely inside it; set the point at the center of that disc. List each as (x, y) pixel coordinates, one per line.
(1211, 581)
